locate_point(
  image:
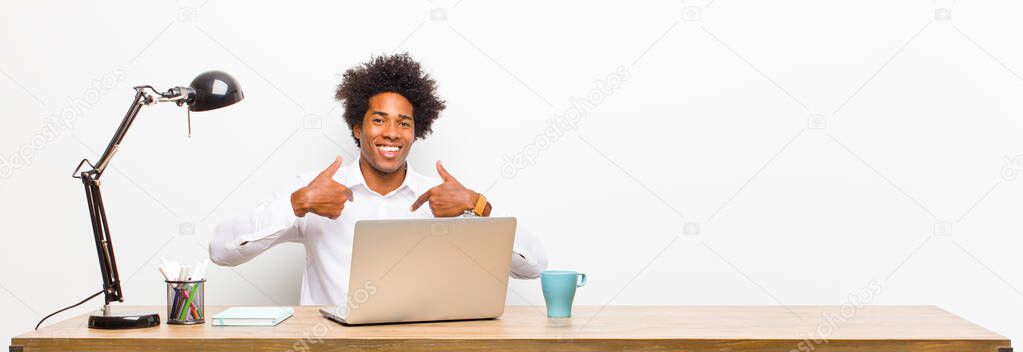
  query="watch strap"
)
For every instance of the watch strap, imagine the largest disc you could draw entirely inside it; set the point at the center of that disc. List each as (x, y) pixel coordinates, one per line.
(481, 205)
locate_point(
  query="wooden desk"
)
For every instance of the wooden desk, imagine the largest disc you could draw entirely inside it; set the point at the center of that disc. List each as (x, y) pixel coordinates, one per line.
(524, 328)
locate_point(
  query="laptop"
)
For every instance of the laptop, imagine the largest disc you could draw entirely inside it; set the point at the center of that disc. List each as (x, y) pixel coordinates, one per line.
(417, 270)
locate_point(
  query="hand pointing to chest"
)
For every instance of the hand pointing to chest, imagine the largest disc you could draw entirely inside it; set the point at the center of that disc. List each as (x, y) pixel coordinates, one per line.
(449, 198)
(323, 196)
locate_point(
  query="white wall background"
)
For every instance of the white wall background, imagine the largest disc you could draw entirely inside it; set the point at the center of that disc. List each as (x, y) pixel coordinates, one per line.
(702, 179)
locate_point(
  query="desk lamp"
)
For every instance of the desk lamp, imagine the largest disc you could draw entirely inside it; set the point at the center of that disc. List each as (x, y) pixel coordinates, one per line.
(208, 91)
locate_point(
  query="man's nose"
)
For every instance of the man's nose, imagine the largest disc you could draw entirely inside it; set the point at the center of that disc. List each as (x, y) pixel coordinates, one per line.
(391, 131)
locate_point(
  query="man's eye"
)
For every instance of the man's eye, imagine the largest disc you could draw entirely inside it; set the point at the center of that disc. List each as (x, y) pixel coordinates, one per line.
(378, 120)
(405, 124)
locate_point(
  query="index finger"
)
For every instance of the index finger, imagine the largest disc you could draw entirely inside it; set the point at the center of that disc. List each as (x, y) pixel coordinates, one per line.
(422, 199)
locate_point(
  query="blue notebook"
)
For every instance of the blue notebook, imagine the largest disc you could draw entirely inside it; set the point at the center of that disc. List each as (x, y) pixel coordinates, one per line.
(252, 316)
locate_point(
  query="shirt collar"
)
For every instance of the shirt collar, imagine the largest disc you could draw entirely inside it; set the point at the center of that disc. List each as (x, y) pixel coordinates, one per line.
(351, 175)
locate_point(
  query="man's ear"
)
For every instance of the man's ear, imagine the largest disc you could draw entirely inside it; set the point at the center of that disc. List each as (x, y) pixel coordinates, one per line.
(357, 133)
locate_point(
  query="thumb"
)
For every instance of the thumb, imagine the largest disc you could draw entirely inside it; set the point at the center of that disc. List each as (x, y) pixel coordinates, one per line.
(332, 169)
(444, 175)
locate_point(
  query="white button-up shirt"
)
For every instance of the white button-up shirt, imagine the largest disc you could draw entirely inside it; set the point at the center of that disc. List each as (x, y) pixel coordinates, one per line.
(328, 243)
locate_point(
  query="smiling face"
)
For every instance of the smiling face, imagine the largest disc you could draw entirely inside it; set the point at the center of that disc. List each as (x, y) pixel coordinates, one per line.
(387, 132)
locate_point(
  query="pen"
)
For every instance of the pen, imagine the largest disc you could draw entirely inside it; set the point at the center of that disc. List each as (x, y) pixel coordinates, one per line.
(188, 302)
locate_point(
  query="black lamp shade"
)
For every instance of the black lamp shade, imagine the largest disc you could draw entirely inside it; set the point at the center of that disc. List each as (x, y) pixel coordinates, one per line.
(214, 90)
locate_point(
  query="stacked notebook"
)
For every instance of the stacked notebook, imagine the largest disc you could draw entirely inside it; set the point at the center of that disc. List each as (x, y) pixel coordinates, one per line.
(252, 316)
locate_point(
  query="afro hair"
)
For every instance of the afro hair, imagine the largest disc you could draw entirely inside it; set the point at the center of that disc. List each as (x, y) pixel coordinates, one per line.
(397, 73)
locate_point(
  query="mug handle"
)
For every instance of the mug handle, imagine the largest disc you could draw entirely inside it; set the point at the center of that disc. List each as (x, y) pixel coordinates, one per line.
(583, 281)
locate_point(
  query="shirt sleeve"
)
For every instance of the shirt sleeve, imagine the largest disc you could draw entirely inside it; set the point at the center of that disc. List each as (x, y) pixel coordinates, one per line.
(271, 223)
(529, 258)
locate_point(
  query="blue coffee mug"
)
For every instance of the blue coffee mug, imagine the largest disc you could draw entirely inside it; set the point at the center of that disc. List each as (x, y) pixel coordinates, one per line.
(559, 291)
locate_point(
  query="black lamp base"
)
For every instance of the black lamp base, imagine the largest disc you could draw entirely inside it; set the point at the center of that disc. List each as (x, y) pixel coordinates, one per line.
(123, 320)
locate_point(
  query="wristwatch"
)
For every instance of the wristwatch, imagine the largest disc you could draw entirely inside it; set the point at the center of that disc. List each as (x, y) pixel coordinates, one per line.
(481, 206)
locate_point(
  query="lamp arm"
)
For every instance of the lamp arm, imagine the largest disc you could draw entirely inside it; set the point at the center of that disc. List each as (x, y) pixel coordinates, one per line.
(104, 244)
(115, 141)
(97, 213)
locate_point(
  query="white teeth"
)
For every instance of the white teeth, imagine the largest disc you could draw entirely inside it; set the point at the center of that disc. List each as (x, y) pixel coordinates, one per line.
(388, 148)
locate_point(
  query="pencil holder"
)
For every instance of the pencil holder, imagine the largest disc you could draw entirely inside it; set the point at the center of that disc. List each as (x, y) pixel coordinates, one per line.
(185, 303)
